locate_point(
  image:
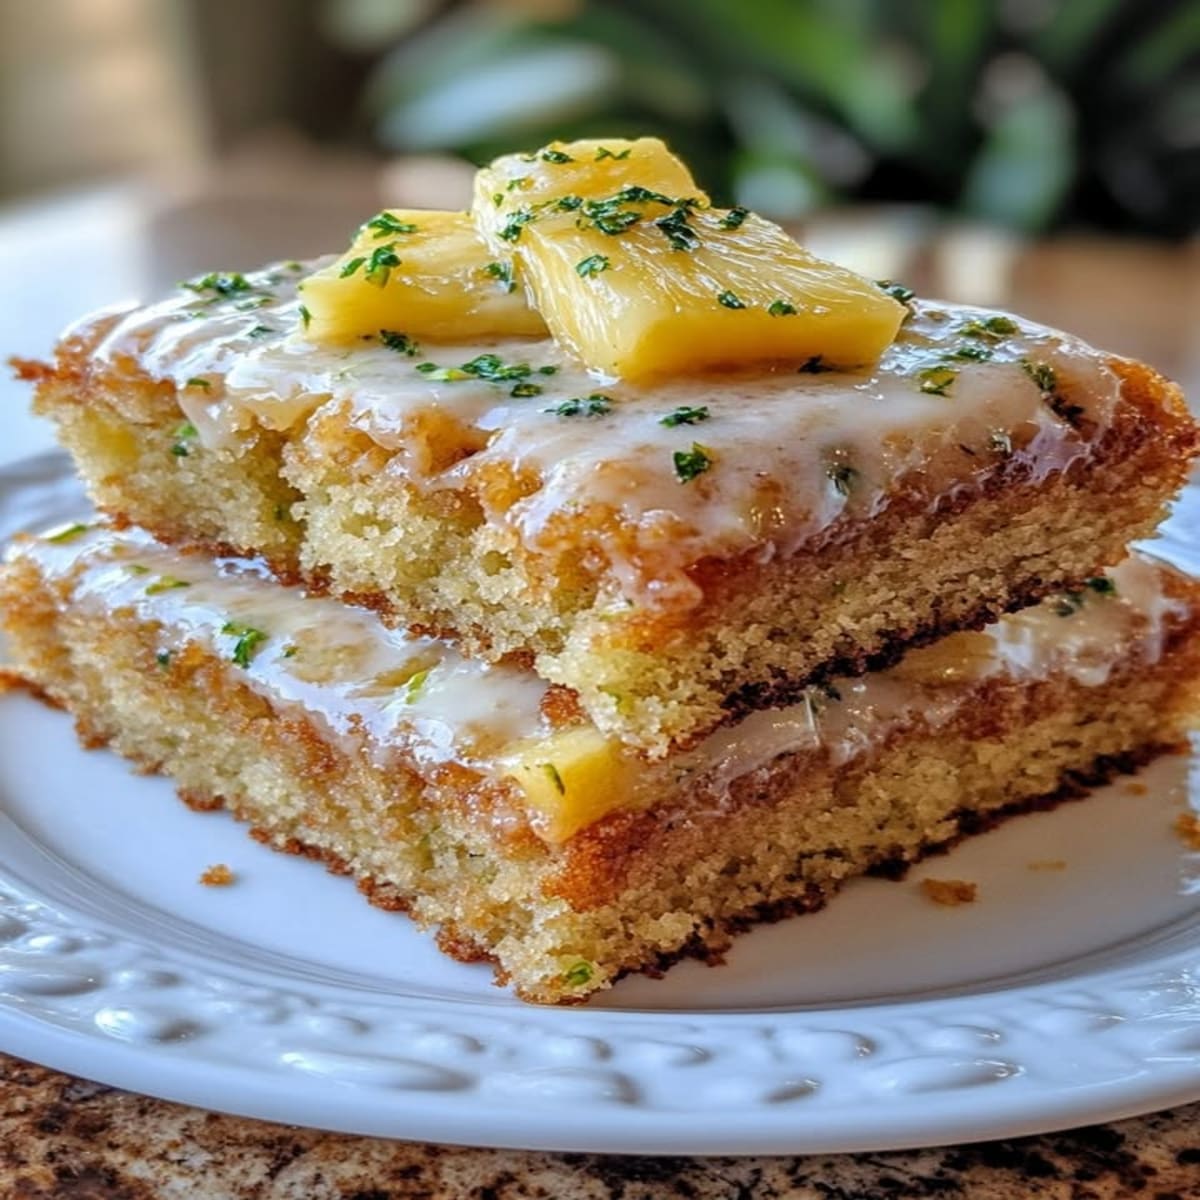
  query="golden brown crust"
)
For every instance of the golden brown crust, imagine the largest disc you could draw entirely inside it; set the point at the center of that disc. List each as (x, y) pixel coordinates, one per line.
(602, 860)
(665, 678)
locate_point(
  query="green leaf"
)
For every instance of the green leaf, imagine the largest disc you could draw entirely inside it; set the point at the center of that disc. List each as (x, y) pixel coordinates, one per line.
(691, 463)
(247, 641)
(1026, 165)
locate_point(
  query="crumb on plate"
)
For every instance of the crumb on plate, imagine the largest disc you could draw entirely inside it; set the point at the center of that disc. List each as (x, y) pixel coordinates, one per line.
(1187, 826)
(949, 892)
(218, 875)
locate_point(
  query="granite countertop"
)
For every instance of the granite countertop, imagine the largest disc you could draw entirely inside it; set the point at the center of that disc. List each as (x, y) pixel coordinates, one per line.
(65, 1138)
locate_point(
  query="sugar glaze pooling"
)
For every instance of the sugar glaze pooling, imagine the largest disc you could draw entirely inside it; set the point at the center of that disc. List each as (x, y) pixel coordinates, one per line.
(792, 454)
(392, 693)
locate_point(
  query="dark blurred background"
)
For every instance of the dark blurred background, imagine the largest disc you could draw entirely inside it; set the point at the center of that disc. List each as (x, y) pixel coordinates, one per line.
(1038, 153)
(1036, 114)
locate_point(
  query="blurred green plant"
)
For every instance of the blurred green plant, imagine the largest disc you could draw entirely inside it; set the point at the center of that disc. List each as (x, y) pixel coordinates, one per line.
(1032, 113)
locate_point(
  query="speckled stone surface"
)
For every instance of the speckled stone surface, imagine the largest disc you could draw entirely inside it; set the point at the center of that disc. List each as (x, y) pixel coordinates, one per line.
(65, 1138)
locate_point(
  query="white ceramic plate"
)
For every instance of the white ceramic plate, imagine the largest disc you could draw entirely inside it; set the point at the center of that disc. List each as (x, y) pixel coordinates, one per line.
(1062, 996)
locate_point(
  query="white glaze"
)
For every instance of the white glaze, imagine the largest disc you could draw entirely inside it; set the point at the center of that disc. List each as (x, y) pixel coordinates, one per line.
(773, 433)
(335, 661)
(342, 665)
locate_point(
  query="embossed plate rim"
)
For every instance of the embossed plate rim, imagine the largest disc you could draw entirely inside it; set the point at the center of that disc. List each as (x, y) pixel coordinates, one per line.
(84, 992)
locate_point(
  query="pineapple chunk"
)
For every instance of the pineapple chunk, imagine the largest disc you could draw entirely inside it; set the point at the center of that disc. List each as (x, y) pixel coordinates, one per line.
(570, 780)
(641, 288)
(421, 273)
(520, 184)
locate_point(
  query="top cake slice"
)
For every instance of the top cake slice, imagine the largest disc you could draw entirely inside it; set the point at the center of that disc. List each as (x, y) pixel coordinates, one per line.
(672, 548)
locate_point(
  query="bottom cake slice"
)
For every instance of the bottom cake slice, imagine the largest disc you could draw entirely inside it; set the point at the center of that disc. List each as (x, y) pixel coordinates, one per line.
(479, 799)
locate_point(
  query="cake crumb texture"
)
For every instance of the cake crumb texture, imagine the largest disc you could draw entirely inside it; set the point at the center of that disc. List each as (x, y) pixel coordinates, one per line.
(323, 502)
(638, 889)
(950, 893)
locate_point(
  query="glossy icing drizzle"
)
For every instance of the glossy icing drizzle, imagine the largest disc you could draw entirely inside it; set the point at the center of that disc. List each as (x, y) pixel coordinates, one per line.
(793, 453)
(389, 693)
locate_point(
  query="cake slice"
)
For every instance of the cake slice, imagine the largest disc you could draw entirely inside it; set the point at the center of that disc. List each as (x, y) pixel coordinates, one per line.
(676, 554)
(481, 800)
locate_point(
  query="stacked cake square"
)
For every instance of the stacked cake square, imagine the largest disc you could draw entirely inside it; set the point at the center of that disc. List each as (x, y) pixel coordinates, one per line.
(596, 573)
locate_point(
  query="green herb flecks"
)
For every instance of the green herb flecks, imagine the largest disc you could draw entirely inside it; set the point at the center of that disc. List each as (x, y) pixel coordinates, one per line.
(592, 265)
(260, 331)
(1045, 379)
(376, 267)
(603, 152)
(581, 972)
(247, 641)
(495, 370)
(556, 156)
(678, 231)
(305, 316)
(611, 215)
(380, 264)
(516, 223)
(595, 405)
(734, 218)
(415, 685)
(502, 273)
(385, 225)
(523, 390)
(615, 222)
(163, 659)
(69, 534)
(222, 284)
(897, 291)
(184, 436)
(1042, 374)
(728, 299)
(781, 308)
(971, 352)
(492, 369)
(1070, 602)
(166, 583)
(685, 415)
(691, 463)
(198, 382)
(401, 343)
(936, 381)
(551, 773)
(992, 329)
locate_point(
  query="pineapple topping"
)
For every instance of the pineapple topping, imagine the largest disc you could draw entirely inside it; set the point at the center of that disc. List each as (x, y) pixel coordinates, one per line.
(419, 273)
(612, 247)
(570, 780)
(574, 178)
(636, 275)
